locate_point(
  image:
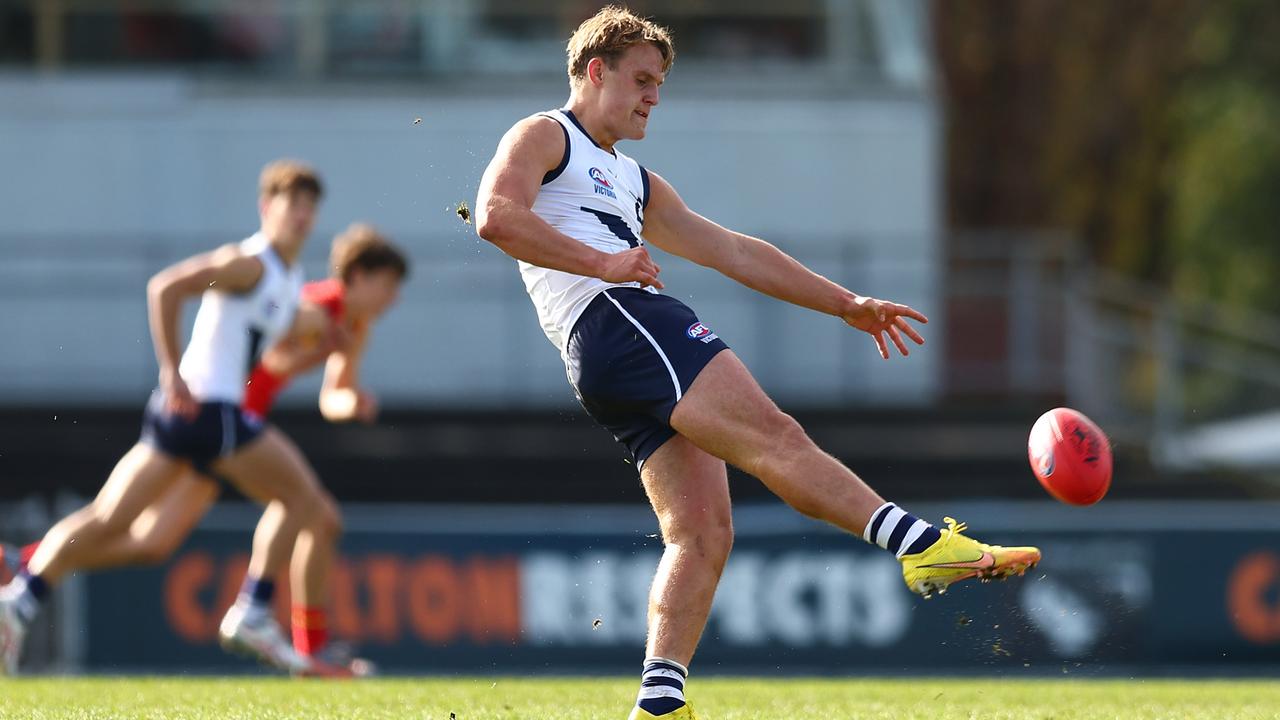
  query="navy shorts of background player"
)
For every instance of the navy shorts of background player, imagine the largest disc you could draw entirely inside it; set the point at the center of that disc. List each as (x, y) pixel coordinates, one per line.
(631, 356)
(217, 430)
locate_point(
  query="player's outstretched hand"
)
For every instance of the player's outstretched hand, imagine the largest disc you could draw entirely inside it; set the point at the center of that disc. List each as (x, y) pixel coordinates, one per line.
(632, 265)
(880, 317)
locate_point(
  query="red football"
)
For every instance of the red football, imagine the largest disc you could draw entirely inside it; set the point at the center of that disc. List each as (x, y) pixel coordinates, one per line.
(1070, 456)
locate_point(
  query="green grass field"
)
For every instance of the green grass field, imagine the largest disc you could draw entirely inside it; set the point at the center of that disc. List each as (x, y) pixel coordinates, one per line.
(580, 699)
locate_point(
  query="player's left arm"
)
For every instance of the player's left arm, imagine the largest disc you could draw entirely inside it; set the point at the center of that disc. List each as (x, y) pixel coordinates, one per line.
(341, 398)
(672, 226)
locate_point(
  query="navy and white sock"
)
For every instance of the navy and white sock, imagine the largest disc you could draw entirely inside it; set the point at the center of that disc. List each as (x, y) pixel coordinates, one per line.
(255, 598)
(662, 686)
(26, 592)
(898, 531)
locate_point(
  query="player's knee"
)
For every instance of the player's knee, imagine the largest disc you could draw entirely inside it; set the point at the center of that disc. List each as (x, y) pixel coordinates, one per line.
(789, 435)
(303, 508)
(707, 534)
(783, 440)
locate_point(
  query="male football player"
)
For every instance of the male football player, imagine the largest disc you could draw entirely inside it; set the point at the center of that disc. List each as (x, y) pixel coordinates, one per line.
(576, 213)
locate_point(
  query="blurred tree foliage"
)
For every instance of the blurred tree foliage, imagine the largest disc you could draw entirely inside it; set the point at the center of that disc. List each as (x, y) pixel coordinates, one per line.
(1151, 128)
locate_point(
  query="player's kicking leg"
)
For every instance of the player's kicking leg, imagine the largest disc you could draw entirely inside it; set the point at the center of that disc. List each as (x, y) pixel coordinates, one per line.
(727, 414)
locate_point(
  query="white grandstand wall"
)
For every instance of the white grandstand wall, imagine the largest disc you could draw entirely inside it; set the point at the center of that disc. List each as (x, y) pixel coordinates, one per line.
(108, 177)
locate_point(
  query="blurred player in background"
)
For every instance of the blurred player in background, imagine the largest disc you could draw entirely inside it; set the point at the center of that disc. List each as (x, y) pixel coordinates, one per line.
(333, 324)
(561, 199)
(248, 299)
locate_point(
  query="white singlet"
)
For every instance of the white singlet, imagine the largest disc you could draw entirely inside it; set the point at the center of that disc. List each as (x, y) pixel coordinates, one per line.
(596, 197)
(232, 330)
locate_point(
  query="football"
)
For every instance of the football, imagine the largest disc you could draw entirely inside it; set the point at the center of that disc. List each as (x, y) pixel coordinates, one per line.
(1070, 456)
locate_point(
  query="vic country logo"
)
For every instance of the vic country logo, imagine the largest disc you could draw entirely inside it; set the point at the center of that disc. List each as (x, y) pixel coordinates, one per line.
(698, 331)
(603, 186)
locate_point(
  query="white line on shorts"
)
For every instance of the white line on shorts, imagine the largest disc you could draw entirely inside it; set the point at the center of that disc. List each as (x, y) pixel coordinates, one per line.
(674, 380)
(228, 432)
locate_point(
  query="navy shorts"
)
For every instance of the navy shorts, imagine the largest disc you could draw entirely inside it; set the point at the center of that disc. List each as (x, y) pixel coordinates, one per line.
(631, 356)
(217, 430)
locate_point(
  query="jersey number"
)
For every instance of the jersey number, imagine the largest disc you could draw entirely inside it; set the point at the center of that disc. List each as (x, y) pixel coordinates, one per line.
(617, 225)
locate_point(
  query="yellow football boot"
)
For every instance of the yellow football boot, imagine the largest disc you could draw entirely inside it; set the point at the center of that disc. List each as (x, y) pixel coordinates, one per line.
(684, 713)
(955, 557)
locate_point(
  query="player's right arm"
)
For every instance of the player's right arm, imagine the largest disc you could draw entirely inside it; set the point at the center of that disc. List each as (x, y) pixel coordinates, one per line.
(505, 217)
(225, 269)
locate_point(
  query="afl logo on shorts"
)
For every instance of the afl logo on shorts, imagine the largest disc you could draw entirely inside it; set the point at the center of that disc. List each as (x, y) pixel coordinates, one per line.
(697, 331)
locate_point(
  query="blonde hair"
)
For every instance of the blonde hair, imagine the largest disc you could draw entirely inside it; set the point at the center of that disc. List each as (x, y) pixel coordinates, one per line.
(286, 176)
(362, 247)
(608, 34)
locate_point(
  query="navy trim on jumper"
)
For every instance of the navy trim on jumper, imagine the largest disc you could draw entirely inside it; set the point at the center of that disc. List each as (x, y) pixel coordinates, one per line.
(644, 182)
(574, 119)
(564, 161)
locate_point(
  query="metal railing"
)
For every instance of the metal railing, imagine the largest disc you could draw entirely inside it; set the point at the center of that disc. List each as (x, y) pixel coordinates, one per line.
(1157, 370)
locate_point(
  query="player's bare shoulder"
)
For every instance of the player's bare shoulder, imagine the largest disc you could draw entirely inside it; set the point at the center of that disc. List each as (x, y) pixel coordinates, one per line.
(536, 139)
(237, 271)
(541, 124)
(225, 269)
(532, 147)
